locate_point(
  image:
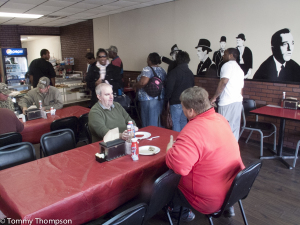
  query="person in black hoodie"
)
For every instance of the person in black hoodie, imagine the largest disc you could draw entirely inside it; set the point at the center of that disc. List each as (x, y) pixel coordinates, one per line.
(101, 71)
(179, 79)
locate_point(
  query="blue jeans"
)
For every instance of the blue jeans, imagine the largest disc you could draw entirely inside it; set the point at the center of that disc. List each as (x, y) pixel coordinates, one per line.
(178, 118)
(150, 112)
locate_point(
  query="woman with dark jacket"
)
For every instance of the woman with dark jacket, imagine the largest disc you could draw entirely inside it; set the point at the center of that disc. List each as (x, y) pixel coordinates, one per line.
(178, 80)
(102, 71)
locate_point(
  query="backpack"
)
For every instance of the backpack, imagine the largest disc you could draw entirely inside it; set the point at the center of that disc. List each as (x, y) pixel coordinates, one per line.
(154, 86)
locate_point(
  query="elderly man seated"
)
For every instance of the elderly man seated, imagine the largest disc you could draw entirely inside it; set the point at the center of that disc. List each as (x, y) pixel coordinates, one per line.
(5, 101)
(107, 114)
(49, 95)
(206, 154)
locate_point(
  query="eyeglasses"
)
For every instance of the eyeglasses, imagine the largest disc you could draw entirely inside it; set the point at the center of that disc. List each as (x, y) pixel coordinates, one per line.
(102, 56)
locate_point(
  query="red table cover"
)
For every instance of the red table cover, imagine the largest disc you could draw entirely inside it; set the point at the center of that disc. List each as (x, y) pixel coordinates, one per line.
(34, 129)
(278, 112)
(73, 185)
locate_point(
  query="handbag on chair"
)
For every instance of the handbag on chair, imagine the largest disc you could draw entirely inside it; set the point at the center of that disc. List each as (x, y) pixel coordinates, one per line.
(123, 100)
(165, 117)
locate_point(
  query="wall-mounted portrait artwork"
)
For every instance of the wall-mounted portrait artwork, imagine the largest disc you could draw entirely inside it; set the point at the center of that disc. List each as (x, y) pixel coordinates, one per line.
(218, 55)
(206, 66)
(279, 66)
(245, 59)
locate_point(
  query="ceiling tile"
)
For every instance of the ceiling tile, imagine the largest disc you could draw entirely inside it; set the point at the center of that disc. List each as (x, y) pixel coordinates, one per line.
(123, 3)
(29, 1)
(109, 7)
(4, 19)
(73, 10)
(82, 5)
(141, 1)
(99, 2)
(46, 8)
(12, 10)
(61, 13)
(56, 3)
(14, 5)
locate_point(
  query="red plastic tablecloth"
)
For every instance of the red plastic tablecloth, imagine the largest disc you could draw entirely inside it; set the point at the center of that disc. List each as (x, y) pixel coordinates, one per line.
(34, 129)
(73, 185)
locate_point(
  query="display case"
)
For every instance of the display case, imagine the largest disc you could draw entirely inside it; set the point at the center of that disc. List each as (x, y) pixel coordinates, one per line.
(72, 89)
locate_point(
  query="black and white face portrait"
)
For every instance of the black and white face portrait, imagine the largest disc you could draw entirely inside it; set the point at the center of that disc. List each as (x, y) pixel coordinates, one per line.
(287, 46)
(201, 55)
(222, 45)
(239, 42)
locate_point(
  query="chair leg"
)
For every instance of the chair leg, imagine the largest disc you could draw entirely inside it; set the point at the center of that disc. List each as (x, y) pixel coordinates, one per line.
(296, 154)
(210, 220)
(169, 216)
(249, 136)
(179, 218)
(261, 143)
(41, 152)
(243, 213)
(241, 133)
(274, 147)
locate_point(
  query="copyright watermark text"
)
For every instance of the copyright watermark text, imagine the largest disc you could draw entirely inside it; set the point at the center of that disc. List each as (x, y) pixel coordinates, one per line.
(36, 221)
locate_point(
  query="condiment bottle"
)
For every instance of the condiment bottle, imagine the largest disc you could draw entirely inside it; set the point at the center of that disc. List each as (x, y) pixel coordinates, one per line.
(134, 149)
(132, 128)
(41, 105)
(128, 141)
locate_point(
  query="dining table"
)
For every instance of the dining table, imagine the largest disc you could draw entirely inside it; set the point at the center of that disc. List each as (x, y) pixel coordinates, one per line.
(34, 129)
(73, 186)
(283, 114)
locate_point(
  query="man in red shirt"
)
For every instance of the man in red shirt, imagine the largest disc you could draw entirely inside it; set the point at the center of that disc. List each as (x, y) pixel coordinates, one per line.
(205, 153)
(116, 61)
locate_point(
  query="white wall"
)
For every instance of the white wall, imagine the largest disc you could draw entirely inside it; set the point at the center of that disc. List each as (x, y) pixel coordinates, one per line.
(139, 32)
(52, 43)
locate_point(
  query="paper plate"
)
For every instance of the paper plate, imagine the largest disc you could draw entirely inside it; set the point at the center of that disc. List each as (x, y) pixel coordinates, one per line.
(142, 135)
(144, 150)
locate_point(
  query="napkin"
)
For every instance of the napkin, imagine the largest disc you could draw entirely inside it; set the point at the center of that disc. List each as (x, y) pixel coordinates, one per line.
(111, 135)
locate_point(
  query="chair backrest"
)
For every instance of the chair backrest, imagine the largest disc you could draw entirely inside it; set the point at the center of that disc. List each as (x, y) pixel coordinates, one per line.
(57, 141)
(248, 104)
(67, 122)
(241, 185)
(162, 193)
(88, 133)
(133, 215)
(10, 138)
(16, 154)
(83, 119)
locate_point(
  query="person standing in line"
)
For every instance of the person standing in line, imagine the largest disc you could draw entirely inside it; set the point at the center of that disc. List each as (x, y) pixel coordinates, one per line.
(41, 67)
(179, 79)
(171, 62)
(116, 61)
(230, 91)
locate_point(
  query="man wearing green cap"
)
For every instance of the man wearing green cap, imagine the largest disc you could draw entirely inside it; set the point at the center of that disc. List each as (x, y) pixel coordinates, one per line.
(49, 95)
(5, 101)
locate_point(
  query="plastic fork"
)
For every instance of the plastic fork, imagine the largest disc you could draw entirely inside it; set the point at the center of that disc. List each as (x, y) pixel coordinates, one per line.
(150, 139)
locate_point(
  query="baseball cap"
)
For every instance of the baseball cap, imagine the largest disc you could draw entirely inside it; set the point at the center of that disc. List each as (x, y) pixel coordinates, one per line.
(43, 82)
(113, 49)
(4, 89)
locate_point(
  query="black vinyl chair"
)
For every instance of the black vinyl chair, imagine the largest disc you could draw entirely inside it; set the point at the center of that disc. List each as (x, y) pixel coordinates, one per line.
(16, 154)
(239, 190)
(57, 141)
(82, 120)
(10, 138)
(162, 193)
(67, 122)
(88, 133)
(261, 127)
(134, 215)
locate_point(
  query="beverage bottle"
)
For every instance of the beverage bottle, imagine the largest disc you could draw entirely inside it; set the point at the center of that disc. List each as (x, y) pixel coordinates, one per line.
(41, 105)
(283, 97)
(128, 141)
(132, 128)
(134, 149)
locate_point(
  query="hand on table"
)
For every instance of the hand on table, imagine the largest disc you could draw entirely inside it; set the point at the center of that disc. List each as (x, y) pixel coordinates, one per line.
(24, 110)
(170, 143)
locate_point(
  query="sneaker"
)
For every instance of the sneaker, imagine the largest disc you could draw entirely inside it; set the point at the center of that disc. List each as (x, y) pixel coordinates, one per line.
(229, 212)
(188, 217)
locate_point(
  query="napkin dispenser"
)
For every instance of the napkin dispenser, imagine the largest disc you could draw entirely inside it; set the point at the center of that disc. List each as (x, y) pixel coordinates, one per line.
(289, 103)
(112, 149)
(33, 114)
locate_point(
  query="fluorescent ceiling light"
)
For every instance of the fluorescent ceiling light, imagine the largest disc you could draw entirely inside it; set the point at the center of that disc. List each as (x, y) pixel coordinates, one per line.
(19, 15)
